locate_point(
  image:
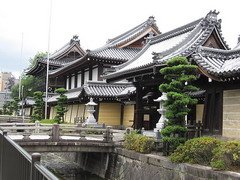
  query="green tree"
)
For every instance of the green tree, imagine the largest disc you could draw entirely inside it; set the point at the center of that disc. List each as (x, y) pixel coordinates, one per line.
(29, 85)
(38, 56)
(7, 109)
(38, 106)
(14, 105)
(179, 75)
(61, 108)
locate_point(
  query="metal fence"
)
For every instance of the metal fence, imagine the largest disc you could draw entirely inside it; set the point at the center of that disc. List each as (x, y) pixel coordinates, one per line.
(17, 164)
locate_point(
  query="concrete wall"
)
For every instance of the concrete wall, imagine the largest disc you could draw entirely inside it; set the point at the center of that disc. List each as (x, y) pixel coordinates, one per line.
(231, 113)
(128, 115)
(109, 113)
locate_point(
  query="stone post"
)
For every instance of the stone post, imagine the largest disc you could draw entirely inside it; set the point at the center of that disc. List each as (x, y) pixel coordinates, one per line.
(37, 124)
(162, 111)
(55, 132)
(36, 157)
(107, 136)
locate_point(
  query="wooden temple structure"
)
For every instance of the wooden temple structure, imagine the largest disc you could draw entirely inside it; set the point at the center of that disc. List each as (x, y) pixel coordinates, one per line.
(83, 78)
(123, 76)
(202, 43)
(68, 53)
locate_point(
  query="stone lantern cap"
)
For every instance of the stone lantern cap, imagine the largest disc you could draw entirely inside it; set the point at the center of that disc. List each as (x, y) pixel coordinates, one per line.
(163, 97)
(91, 103)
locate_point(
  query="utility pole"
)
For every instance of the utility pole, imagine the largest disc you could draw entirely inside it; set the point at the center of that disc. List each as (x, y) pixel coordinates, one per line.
(49, 35)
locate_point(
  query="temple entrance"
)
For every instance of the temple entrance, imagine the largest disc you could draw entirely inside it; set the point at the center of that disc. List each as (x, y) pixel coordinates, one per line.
(212, 114)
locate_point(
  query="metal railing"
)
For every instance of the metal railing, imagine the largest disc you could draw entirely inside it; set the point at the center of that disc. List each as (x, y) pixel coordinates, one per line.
(16, 163)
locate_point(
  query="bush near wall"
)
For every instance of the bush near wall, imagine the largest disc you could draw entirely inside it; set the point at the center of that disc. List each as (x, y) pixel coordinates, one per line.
(138, 142)
(221, 155)
(227, 156)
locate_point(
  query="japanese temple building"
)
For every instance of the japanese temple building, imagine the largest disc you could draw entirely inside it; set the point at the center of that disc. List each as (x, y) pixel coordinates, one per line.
(83, 78)
(123, 76)
(202, 43)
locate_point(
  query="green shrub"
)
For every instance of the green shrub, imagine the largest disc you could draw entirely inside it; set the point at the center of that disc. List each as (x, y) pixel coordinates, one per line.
(226, 156)
(48, 121)
(197, 150)
(138, 142)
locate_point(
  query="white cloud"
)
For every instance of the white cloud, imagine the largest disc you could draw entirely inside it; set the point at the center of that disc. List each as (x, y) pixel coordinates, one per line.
(96, 21)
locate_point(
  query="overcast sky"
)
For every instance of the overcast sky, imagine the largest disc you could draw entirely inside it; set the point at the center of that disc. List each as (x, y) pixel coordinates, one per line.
(95, 21)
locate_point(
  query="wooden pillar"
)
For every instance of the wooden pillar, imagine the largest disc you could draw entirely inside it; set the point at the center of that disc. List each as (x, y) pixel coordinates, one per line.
(75, 80)
(100, 72)
(90, 73)
(138, 118)
(122, 114)
(69, 81)
(82, 76)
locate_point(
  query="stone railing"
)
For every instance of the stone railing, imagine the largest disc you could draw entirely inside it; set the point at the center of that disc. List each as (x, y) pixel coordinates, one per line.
(56, 132)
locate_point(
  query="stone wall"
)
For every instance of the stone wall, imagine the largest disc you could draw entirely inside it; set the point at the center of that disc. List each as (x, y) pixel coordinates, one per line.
(231, 113)
(129, 165)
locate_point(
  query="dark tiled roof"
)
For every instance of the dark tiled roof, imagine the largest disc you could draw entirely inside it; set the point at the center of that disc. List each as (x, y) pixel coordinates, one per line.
(67, 66)
(58, 58)
(217, 62)
(120, 54)
(198, 94)
(181, 41)
(98, 89)
(102, 89)
(133, 33)
(71, 94)
(114, 51)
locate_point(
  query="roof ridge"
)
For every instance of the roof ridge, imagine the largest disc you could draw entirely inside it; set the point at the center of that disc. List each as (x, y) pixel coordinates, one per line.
(149, 22)
(174, 32)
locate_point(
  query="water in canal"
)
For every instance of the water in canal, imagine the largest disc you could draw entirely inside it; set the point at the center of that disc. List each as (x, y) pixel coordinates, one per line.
(83, 175)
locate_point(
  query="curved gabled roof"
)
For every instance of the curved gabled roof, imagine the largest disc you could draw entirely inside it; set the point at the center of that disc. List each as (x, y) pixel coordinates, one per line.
(117, 50)
(134, 34)
(59, 58)
(218, 63)
(181, 41)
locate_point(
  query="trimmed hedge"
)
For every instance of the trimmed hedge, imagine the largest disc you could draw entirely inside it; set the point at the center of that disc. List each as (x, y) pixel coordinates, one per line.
(221, 155)
(138, 142)
(197, 151)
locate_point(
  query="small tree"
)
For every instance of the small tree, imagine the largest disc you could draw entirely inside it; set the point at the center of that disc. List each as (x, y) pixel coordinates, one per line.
(38, 106)
(178, 74)
(14, 105)
(61, 108)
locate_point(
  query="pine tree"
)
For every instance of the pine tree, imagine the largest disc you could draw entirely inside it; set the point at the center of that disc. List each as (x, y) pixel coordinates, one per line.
(179, 75)
(61, 108)
(38, 106)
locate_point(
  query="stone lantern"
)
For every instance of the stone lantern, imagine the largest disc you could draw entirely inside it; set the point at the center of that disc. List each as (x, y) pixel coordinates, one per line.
(90, 108)
(161, 111)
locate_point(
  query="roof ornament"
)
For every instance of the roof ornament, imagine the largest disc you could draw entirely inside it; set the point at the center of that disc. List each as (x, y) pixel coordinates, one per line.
(238, 38)
(74, 39)
(151, 20)
(212, 16)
